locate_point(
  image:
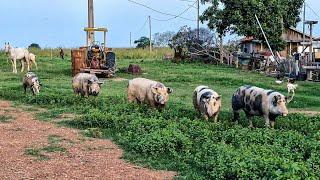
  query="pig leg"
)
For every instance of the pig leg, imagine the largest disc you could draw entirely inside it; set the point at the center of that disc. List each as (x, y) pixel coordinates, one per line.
(152, 104)
(216, 117)
(272, 121)
(132, 99)
(25, 88)
(236, 116)
(272, 124)
(250, 120)
(267, 124)
(205, 117)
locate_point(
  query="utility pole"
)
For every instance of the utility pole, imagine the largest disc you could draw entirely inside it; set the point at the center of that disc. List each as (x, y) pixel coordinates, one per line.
(90, 22)
(150, 34)
(198, 20)
(130, 40)
(304, 29)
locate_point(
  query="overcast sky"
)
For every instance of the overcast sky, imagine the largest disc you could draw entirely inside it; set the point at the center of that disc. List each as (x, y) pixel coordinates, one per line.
(53, 23)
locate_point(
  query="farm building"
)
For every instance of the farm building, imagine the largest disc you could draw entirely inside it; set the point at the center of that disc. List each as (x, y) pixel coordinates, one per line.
(292, 36)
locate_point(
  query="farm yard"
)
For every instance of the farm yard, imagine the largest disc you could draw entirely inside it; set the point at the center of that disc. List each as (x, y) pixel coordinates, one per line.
(185, 89)
(177, 139)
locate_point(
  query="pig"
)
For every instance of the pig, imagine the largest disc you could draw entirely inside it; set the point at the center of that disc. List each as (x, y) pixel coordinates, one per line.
(85, 84)
(207, 102)
(153, 93)
(256, 101)
(31, 80)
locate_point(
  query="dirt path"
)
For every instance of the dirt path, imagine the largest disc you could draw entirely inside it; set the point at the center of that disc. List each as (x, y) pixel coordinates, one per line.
(305, 112)
(31, 149)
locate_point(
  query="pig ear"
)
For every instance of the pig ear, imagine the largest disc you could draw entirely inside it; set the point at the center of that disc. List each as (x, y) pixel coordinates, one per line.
(169, 90)
(154, 89)
(89, 81)
(218, 98)
(275, 100)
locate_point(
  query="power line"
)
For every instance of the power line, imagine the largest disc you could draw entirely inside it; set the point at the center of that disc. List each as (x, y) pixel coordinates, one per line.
(144, 24)
(314, 12)
(179, 15)
(186, 1)
(160, 12)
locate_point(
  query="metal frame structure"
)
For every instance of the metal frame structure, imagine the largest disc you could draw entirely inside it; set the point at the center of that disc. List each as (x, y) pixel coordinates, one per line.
(89, 31)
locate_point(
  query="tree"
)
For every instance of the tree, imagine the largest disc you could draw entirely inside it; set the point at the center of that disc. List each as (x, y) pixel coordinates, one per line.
(162, 39)
(142, 42)
(238, 17)
(186, 44)
(35, 46)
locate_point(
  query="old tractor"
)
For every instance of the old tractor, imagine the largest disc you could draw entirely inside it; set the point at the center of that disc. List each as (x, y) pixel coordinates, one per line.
(95, 57)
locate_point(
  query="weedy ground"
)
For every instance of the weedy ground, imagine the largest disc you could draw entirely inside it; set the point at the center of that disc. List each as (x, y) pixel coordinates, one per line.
(177, 138)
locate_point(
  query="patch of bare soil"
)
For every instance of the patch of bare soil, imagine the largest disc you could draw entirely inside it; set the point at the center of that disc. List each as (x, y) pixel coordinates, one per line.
(306, 112)
(31, 149)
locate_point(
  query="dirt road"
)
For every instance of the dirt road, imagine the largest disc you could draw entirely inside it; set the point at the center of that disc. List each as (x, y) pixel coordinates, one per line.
(31, 149)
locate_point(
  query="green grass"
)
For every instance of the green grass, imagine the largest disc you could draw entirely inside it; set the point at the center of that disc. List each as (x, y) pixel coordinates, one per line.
(37, 153)
(52, 147)
(5, 119)
(176, 138)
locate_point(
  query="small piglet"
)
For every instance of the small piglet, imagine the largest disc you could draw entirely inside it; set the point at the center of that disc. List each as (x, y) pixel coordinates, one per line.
(207, 102)
(85, 84)
(31, 80)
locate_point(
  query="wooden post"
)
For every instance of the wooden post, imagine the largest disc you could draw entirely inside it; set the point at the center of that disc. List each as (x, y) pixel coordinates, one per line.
(150, 45)
(130, 40)
(90, 22)
(198, 20)
(104, 40)
(304, 29)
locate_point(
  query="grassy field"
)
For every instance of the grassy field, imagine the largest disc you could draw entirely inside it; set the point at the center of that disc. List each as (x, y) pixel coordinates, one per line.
(177, 139)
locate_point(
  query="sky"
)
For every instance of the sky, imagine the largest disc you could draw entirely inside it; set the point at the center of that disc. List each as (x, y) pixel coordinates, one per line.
(60, 23)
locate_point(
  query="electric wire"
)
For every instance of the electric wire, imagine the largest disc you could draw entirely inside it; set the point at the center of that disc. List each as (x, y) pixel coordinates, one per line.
(160, 12)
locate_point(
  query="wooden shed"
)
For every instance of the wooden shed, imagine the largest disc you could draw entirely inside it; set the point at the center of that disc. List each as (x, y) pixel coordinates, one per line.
(292, 36)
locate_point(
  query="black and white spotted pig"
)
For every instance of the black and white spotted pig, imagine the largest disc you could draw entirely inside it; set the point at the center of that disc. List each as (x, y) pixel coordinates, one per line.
(31, 80)
(207, 102)
(256, 101)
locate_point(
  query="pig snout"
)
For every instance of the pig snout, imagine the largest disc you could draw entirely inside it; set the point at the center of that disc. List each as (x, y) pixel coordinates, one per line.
(95, 93)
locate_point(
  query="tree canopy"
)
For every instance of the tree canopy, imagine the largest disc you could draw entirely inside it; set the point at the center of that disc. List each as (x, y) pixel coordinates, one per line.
(142, 42)
(162, 39)
(186, 44)
(35, 45)
(238, 17)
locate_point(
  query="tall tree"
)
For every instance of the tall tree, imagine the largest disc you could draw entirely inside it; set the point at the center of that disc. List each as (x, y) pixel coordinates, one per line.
(238, 17)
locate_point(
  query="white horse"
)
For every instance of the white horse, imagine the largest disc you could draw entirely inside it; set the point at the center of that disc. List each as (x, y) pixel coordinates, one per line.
(17, 54)
(32, 59)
